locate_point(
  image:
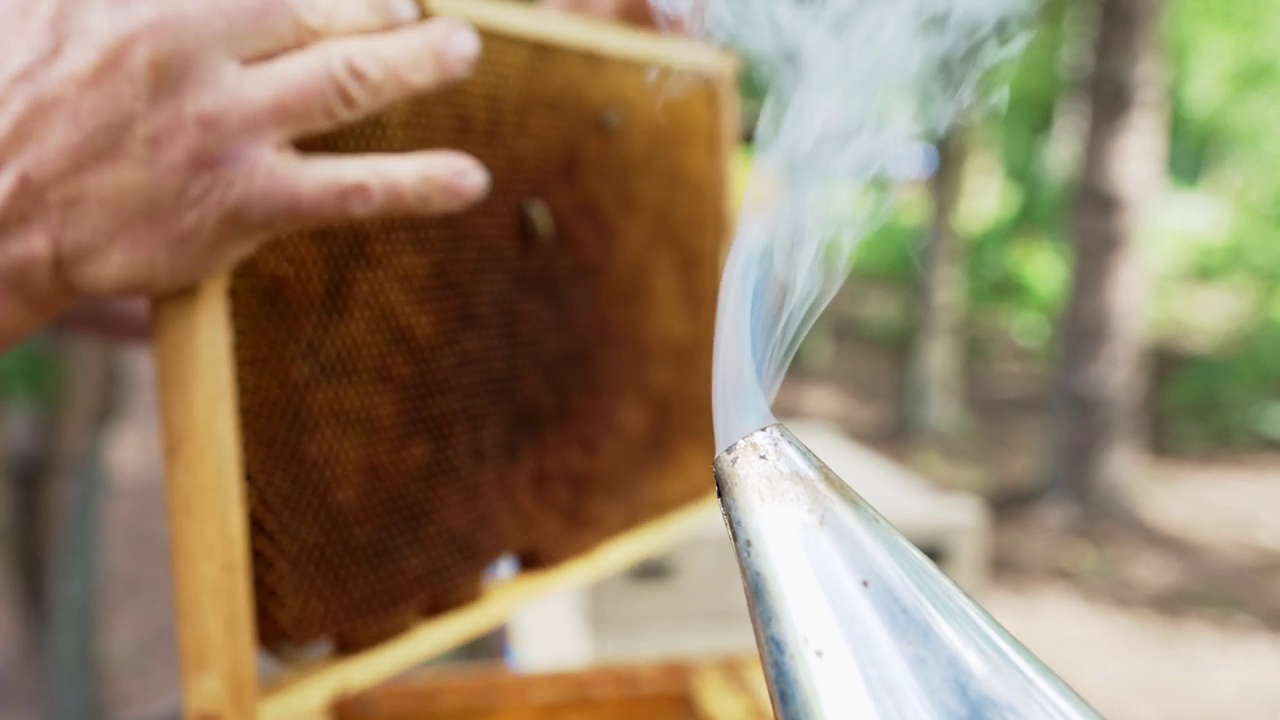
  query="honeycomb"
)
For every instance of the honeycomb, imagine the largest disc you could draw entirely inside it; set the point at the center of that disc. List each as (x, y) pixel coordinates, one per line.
(421, 396)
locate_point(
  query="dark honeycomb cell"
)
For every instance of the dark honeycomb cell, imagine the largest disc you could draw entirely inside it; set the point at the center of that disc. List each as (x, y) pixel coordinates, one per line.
(421, 396)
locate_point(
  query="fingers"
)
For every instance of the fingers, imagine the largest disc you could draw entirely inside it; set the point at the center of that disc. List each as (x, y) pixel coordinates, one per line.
(312, 190)
(255, 29)
(337, 81)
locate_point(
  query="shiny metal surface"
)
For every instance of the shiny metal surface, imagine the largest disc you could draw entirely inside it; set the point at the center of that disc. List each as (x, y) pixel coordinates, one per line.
(852, 621)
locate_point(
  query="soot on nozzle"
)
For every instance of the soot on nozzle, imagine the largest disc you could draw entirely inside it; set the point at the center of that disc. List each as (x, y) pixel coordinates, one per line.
(852, 621)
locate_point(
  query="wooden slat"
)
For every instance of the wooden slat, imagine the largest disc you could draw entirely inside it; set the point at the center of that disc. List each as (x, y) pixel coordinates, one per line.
(207, 507)
(308, 694)
(487, 692)
(649, 707)
(751, 674)
(590, 35)
(708, 690)
(724, 692)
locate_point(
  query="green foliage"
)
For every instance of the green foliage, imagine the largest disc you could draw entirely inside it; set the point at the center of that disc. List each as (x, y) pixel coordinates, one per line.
(1033, 96)
(892, 252)
(1230, 400)
(1226, 145)
(28, 373)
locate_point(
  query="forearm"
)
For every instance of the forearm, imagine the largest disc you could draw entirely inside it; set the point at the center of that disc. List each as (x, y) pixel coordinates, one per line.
(29, 297)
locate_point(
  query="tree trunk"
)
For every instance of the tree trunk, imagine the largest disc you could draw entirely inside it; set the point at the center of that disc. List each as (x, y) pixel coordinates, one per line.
(23, 429)
(935, 406)
(1098, 443)
(53, 507)
(70, 494)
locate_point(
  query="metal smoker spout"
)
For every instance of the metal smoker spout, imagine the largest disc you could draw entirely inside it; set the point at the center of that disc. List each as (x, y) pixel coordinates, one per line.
(851, 620)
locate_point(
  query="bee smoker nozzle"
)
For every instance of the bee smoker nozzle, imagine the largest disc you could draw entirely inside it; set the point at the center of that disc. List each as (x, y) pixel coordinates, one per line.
(851, 620)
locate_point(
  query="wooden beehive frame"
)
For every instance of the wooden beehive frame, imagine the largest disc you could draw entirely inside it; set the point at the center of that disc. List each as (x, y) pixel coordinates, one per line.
(207, 503)
(722, 689)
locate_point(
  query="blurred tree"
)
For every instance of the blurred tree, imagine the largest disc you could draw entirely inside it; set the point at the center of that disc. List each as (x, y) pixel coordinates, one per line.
(1097, 439)
(57, 390)
(1211, 252)
(935, 407)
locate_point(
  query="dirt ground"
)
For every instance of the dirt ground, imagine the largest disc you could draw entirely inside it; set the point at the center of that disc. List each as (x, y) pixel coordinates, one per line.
(1173, 617)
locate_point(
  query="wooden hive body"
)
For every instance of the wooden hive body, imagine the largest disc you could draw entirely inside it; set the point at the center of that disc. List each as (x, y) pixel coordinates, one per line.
(388, 407)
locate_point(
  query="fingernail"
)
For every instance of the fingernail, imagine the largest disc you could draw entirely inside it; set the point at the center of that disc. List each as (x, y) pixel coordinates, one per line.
(472, 179)
(461, 46)
(406, 11)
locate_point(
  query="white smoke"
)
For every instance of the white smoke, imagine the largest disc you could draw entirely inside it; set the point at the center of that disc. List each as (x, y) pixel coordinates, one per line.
(853, 89)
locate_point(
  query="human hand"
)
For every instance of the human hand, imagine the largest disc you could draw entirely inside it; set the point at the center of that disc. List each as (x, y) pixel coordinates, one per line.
(144, 144)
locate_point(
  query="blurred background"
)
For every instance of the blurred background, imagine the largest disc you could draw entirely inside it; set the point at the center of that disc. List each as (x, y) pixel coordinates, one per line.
(1075, 320)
